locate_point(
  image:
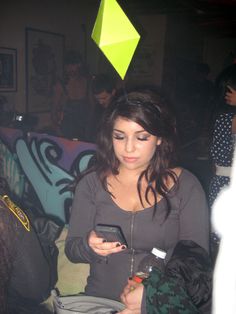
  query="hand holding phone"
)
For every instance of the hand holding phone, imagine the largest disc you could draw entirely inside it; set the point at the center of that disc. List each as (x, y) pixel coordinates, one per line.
(111, 233)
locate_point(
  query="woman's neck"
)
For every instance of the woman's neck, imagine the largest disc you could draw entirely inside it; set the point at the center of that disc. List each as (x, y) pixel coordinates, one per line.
(128, 175)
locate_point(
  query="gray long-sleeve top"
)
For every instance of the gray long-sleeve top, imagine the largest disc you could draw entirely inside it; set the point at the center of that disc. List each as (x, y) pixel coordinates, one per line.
(188, 220)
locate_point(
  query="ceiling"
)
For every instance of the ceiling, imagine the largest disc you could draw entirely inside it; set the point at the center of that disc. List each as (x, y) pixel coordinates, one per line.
(212, 15)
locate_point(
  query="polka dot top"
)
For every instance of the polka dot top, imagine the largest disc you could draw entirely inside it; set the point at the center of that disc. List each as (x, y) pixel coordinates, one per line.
(223, 144)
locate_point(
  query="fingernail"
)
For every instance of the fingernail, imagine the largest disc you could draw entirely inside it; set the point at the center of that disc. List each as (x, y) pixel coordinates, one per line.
(104, 240)
(123, 247)
(118, 244)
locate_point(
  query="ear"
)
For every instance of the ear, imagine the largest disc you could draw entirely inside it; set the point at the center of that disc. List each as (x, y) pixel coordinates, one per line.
(159, 141)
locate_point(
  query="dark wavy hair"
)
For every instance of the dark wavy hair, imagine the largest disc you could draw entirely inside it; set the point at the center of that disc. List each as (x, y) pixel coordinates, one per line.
(149, 109)
(103, 82)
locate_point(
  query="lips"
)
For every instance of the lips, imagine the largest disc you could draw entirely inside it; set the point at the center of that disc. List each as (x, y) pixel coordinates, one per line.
(130, 159)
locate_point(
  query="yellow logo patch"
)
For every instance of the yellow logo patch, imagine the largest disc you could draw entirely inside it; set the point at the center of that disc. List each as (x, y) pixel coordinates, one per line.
(20, 215)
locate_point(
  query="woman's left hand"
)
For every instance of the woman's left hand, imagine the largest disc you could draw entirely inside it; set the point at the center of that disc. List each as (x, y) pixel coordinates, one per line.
(132, 298)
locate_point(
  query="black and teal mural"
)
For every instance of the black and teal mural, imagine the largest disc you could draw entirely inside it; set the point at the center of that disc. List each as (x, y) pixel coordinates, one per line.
(41, 170)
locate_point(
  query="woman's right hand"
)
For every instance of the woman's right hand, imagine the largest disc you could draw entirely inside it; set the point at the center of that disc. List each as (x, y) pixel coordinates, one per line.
(101, 247)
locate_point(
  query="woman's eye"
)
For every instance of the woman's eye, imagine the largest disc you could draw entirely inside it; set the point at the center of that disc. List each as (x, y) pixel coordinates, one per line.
(118, 136)
(143, 138)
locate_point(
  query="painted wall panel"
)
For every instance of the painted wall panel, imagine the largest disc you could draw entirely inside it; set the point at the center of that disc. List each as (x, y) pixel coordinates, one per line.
(41, 170)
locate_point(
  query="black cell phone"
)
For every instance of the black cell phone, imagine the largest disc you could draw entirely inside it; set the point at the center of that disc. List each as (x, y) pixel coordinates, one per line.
(111, 233)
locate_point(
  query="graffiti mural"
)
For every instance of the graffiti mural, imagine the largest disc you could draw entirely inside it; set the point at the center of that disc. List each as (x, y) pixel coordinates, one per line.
(10, 170)
(42, 169)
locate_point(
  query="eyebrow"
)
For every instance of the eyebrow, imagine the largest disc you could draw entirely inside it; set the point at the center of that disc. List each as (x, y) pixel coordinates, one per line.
(141, 131)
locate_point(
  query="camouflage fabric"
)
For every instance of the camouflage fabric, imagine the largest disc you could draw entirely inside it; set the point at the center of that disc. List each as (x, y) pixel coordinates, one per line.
(166, 295)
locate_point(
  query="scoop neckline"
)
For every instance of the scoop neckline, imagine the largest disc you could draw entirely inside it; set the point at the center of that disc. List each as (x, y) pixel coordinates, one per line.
(146, 208)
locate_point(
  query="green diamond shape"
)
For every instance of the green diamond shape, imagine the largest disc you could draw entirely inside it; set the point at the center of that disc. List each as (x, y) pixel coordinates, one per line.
(115, 35)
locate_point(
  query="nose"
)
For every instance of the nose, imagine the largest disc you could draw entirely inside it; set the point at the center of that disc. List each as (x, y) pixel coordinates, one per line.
(130, 145)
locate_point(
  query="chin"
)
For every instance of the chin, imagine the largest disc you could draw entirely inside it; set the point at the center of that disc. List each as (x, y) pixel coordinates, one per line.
(134, 167)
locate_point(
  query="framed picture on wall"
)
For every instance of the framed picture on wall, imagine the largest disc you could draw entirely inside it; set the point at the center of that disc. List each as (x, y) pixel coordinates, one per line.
(143, 65)
(44, 64)
(8, 59)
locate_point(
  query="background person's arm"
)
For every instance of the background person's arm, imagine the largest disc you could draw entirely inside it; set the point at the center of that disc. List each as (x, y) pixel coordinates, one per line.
(230, 96)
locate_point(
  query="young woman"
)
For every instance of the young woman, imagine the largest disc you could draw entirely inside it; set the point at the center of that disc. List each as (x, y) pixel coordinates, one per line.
(136, 185)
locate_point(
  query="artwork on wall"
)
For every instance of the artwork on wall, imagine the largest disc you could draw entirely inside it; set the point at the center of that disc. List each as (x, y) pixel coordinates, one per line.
(8, 81)
(142, 67)
(44, 64)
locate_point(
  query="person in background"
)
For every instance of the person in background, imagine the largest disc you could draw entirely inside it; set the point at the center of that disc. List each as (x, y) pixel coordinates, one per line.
(25, 273)
(224, 129)
(223, 139)
(69, 113)
(103, 89)
(135, 184)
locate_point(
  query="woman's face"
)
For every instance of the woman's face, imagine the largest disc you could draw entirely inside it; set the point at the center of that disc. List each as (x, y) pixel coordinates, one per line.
(133, 146)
